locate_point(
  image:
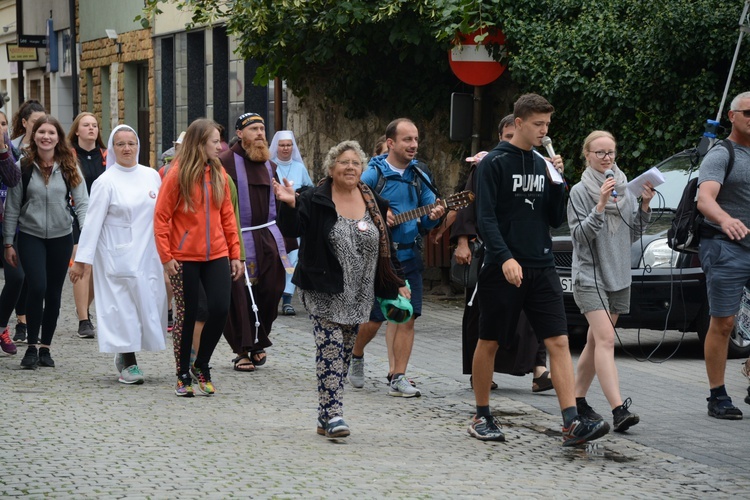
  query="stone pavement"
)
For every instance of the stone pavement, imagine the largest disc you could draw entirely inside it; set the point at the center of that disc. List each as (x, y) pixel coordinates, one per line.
(74, 432)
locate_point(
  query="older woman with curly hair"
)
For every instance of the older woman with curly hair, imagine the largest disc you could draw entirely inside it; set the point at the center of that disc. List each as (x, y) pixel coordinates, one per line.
(345, 260)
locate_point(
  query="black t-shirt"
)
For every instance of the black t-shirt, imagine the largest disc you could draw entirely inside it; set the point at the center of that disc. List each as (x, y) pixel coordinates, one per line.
(92, 164)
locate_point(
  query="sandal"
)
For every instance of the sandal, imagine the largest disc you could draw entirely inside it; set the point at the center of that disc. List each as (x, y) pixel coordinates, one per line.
(288, 310)
(243, 364)
(471, 383)
(542, 383)
(259, 357)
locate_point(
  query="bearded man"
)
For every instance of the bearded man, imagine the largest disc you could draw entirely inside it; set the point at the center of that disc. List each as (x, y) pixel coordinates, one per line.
(248, 164)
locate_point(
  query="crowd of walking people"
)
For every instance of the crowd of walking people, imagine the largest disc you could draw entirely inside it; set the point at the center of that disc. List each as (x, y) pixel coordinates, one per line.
(217, 241)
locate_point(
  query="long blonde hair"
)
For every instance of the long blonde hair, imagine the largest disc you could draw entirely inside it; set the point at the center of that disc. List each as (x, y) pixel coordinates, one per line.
(191, 161)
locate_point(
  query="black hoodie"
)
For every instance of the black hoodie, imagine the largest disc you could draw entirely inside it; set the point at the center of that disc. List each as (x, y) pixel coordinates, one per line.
(516, 205)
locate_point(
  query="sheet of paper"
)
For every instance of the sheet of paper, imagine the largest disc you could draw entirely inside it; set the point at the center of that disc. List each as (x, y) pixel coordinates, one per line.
(651, 175)
(553, 173)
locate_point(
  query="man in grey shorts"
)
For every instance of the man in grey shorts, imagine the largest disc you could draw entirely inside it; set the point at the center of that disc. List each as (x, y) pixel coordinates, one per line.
(725, 248)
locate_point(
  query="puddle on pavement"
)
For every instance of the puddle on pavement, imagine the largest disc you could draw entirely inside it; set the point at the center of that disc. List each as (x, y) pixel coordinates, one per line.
(596, 451)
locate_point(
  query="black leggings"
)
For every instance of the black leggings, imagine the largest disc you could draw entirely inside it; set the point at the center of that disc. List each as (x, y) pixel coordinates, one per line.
(14, 291)
(46, 264)
(215, 278)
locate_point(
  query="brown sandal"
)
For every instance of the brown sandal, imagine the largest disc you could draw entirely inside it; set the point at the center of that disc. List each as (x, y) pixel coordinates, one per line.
(542, 383)
(243, 364)
(259, 357)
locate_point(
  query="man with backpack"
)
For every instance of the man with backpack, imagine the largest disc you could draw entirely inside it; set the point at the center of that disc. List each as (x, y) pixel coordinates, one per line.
(724, 201)
(397, 178)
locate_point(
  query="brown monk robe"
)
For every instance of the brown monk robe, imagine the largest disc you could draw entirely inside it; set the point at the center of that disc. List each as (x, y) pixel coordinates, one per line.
(266, 268)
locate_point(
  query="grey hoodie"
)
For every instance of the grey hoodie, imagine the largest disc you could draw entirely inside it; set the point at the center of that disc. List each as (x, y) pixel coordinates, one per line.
(44, 213)
(596, 252)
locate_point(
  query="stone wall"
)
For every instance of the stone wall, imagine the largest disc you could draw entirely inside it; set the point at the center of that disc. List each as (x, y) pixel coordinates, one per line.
(136, 46)
(318, 125)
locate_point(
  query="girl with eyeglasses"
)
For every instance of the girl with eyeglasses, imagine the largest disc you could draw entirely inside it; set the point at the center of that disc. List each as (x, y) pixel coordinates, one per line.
(605, 219)
(118, 241)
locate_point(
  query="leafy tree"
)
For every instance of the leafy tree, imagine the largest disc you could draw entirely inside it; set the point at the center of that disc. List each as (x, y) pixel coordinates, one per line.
(650, 72)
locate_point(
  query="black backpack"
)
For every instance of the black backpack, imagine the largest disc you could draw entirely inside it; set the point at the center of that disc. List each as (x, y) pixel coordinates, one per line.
(685, 233)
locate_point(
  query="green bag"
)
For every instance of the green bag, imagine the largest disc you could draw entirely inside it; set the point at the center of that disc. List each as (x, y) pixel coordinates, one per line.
(398, 310)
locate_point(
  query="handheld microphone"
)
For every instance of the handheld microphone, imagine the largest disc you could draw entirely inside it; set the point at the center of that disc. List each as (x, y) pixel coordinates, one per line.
(547, 143)
(609, 174)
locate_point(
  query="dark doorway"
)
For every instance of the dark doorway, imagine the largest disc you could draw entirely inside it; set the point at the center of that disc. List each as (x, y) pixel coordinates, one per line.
(143, 114)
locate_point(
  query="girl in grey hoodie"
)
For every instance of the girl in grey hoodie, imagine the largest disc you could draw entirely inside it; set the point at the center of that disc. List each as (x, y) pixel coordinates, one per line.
(604, 220)
(38, 207)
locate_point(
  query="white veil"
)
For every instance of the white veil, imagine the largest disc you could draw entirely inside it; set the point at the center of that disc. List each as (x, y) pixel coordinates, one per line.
(111, 148)
(282, 135)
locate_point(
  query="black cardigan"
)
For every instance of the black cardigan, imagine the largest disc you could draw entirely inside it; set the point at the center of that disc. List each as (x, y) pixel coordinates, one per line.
(312, 219)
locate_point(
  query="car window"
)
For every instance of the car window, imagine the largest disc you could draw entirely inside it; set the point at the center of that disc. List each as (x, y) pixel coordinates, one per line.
(676, 171)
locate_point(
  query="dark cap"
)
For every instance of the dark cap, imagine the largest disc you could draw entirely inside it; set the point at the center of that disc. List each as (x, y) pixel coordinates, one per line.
(246, 119)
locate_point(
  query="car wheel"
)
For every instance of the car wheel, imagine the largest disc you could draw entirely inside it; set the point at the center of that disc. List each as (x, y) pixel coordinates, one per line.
(739, 340)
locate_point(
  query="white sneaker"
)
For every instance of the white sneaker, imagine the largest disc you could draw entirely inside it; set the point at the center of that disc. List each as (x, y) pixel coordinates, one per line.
(131, 375)
(400, 387)
(357, 372)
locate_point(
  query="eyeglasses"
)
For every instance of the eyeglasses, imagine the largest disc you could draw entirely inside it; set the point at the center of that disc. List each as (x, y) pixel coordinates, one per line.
(745, 112)
(123, 144)
(346, 163)
(603, 154)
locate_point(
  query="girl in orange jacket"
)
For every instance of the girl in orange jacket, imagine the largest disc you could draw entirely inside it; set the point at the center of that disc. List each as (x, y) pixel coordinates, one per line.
(196, 237)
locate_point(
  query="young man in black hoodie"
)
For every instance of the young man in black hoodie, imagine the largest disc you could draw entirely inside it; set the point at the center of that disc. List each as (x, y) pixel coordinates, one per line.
(517, 202)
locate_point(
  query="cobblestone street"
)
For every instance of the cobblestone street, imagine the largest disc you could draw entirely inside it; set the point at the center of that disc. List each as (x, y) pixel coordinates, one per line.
(75, 432)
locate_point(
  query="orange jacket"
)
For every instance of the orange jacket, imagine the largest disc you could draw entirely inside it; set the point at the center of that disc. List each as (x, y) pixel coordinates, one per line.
(203, 235)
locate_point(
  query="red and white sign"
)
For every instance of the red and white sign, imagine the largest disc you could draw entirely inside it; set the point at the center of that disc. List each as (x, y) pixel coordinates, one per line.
(472, 63)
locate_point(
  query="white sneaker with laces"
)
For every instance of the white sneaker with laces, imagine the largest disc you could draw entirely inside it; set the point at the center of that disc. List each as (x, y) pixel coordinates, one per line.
(131, 375)
(400, 387)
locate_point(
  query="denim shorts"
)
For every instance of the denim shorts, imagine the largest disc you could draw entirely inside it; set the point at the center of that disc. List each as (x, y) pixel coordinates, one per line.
(727, 268)
(413, 271)
(591, 298)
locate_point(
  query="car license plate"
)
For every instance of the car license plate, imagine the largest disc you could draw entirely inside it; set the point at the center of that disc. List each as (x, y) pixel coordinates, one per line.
(567, 285)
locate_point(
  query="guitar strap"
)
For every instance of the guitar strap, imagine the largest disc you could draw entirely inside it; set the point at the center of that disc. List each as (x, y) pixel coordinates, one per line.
(426, 181)
(432, 188)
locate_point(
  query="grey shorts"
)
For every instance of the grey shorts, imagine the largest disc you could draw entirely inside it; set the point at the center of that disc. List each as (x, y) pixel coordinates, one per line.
(727, 268)
(590, 298)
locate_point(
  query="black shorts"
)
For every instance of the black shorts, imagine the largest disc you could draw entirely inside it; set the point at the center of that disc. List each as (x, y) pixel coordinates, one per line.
(540, 296)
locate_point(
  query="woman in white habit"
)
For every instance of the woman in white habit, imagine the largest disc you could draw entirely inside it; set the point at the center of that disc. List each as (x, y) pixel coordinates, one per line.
(118, 240)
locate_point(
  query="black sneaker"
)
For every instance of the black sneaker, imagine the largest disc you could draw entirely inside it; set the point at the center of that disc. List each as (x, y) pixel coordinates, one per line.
(582, 430)
(31, 359)
(723, 408)
(586, 411)
(45, 359)
(622, 418)
(486, 429)
(21, 333)
(86, 329)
